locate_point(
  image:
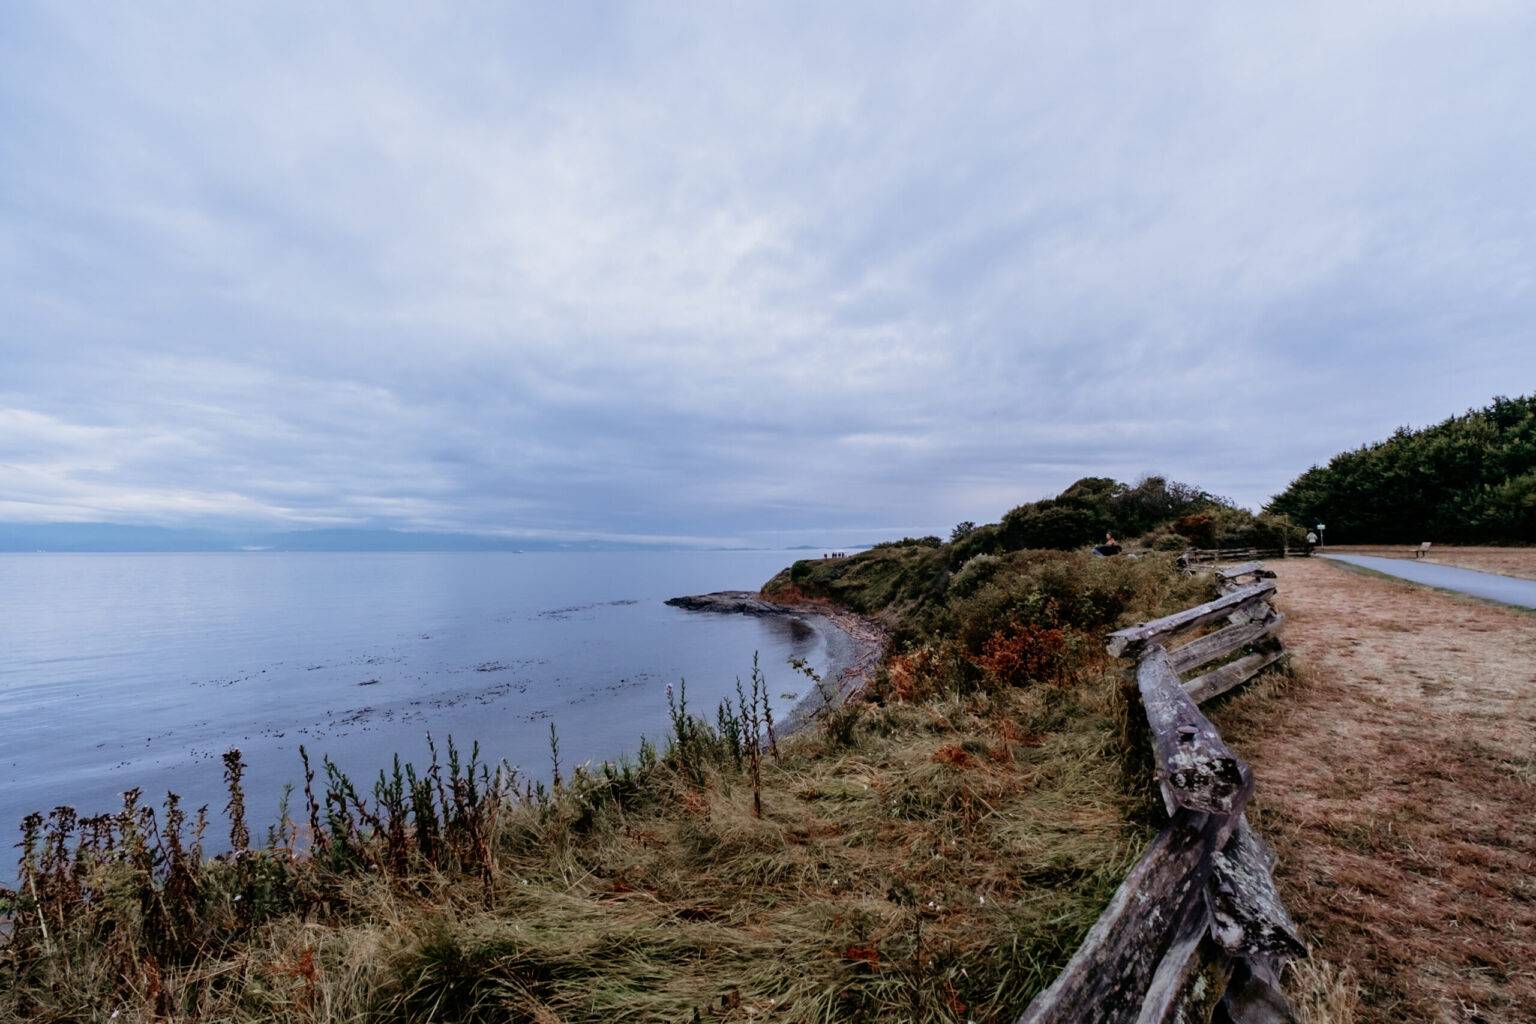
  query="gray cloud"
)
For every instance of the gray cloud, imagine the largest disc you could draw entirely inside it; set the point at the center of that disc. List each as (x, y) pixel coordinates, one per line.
(754, 275)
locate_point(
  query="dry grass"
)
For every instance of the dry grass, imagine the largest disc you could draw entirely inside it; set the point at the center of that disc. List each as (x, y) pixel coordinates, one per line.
(941, 866)
(1519, 562)
(1323, 993)
(1395, 779)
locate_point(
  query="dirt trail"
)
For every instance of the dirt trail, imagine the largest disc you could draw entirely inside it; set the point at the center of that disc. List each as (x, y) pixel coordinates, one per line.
(1397, 780)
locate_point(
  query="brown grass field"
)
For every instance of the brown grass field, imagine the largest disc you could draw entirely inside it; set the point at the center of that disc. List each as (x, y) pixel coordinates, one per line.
(1396, 777)
(1507, 561)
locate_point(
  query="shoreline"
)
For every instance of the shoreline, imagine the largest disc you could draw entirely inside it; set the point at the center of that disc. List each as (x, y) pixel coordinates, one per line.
(855, 644)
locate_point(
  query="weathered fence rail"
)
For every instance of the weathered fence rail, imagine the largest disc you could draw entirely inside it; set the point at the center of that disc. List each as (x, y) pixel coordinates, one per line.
(1193, 555)
(1202, 895)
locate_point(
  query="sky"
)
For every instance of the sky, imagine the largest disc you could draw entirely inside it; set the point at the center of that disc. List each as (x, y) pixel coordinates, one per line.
(747, 274)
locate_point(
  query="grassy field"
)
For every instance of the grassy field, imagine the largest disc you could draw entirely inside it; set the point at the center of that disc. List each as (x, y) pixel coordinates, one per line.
(1395, 775)
(932, 851)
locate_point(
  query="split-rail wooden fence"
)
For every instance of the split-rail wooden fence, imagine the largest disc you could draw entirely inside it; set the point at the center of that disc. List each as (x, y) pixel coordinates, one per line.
(1195, 555)
(1202, 894)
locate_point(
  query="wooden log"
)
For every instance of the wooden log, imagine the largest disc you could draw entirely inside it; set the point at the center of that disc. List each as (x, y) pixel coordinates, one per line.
(1106, 980)
(1254, 995)
(1234, 554)
(1247, 917)
(1222, 642)
(1133, 638)
(1233, 674)
(1169, 988)
(1256, 612)
(1194, 766)
(1254, 569)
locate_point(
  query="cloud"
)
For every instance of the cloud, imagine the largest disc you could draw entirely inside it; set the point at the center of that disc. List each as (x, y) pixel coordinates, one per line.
(784, 273)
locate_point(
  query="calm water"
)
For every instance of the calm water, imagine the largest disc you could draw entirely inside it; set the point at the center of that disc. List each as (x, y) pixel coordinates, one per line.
(139, 670)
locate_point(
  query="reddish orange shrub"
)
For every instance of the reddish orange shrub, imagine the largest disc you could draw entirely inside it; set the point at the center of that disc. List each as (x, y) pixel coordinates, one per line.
(1025, 654)
(911, 676)
(866, 954)
(1199, 528)
(790, 593)
(954, 755)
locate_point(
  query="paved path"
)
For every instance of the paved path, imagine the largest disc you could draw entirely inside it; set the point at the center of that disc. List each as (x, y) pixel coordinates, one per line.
(1492, 586)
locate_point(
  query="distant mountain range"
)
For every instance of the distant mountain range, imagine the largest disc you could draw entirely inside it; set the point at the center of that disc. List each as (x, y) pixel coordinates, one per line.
(120, 537)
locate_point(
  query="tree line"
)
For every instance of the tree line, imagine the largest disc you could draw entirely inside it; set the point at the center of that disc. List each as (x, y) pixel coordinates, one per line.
(1469, 479)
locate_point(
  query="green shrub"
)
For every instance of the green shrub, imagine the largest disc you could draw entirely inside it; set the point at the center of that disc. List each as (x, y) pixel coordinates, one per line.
(1049, 524)
(906, 542)
(1165, 541)
(983, 540)
(1095, 505)
(973, 574)
(891, 580)
(1074, 590)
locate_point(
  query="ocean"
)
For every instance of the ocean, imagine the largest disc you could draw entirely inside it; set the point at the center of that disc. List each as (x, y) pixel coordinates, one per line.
(140, 670)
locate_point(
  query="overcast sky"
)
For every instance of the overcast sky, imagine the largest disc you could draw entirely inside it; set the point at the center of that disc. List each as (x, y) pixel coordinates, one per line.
(742, 274)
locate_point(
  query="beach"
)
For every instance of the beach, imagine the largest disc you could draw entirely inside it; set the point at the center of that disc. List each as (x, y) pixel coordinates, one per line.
(853, 644)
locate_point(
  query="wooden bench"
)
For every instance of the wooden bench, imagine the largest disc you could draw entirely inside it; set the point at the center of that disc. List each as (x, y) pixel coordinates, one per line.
(1422, 550)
